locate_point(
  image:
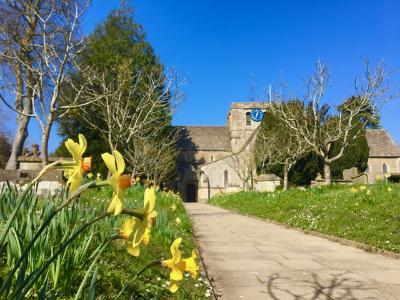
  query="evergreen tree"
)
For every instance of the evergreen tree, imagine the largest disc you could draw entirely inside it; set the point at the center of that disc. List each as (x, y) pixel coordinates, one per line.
(115, 42)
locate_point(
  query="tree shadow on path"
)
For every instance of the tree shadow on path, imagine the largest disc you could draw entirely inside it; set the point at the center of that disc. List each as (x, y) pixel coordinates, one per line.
(335, 286)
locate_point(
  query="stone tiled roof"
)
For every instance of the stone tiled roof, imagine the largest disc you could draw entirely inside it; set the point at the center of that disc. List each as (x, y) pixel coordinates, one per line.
(381, 144)
(216, 138)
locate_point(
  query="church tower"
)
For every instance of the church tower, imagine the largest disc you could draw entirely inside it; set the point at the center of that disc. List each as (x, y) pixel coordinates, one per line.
(240, 124)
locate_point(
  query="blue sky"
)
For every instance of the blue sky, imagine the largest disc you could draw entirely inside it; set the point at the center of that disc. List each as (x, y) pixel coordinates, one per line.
(227, 47)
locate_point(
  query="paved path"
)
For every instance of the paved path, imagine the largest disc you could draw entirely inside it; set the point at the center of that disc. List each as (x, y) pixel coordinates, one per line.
(246, 258)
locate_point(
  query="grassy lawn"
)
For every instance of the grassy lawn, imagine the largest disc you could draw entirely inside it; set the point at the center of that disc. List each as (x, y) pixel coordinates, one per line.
(368, 214)
(116, 267)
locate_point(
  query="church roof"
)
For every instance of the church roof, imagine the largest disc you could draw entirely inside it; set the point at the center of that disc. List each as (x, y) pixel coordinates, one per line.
(211, 138)
(381, 144)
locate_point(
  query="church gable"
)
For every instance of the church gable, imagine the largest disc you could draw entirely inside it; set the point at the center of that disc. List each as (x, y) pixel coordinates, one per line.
(380, 144)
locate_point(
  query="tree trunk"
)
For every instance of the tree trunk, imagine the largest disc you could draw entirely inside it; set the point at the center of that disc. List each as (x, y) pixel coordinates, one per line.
(45, 155)
(19, 140)
(327, 173)
(45, 142)
(285, 177)
(23, 104)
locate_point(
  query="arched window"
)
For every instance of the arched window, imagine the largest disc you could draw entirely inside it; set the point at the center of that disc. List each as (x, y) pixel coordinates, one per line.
(385, 168)
(248, 118)
(225, 178)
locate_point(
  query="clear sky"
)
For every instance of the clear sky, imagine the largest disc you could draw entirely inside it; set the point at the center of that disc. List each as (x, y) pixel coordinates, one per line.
(228, 48)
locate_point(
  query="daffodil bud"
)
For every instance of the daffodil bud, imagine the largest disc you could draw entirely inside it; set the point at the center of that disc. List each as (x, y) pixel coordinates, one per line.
(87, 164)
(125, 181)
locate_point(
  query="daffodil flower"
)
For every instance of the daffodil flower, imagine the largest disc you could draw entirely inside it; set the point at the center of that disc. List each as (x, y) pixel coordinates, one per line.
(129, 228)
(141, 228)
(178, 221)
(173, 207)
(178, 265)
(82, 165)
(116, 164)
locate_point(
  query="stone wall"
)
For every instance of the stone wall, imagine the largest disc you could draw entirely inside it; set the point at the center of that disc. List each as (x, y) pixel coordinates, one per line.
(24, 176)
(376, 171)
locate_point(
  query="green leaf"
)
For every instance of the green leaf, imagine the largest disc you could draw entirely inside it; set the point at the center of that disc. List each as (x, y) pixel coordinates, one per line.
(92, 287)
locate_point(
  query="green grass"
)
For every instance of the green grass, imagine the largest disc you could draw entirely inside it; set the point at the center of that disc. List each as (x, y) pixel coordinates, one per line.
(369, 215)
(116, 266)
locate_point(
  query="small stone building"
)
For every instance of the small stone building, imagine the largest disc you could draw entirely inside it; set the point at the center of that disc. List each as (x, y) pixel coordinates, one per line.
(384, 155)
(215, 159)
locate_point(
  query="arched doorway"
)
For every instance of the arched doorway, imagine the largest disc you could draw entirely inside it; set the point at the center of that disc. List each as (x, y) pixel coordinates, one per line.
(191, 193)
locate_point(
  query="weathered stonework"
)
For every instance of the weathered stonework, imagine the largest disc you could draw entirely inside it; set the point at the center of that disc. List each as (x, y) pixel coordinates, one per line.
(384, 156)
(213, 159)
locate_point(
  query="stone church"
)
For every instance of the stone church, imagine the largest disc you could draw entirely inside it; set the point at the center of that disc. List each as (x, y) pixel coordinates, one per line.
(215, 159)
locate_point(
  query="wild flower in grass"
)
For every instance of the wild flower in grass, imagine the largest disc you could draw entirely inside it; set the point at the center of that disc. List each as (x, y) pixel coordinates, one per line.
(98, 176)
(363, 187)
(368, 192)
(178, 221)
(90, 175)
(353, 190)
(207, 294)
(173, 207)
(140, 229)
(116, 164)
(389, 189)
(81, 165)
(178, 265)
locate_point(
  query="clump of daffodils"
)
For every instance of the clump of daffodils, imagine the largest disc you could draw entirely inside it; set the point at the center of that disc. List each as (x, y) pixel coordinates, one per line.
(135, 230)
(178, 266)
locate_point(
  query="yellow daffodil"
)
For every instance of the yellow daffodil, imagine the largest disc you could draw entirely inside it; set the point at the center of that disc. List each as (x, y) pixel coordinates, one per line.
(363, 187)
(353, 190)
(141, 229)
(90, 175)
(116, 164)
(173, 207)
(82, 165)
(129, 227)
(389, 189)
(178, 221)
(178, 265)
(368, 192)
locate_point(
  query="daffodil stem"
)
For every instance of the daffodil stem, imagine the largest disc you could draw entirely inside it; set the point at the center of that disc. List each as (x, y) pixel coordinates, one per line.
(148, 266)
(31, 279)
(45, 223)
(132, 213)
(20, 201)
(92, 265)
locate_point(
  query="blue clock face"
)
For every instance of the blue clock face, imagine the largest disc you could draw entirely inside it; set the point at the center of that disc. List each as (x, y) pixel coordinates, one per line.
(257, 115)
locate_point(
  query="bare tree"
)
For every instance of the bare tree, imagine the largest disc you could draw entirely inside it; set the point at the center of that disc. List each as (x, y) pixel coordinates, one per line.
(52, 56)
(154, 158)
(279, 148)
(312, 121)
(243, 164)
(18, 25)
(133, 107)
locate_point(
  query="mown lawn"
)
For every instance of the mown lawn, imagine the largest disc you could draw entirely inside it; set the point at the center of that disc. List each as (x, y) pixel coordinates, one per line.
(368, 214)
(116, 267)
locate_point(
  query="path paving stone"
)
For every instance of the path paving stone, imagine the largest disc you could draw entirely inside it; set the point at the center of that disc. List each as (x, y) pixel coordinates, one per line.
(247, 258)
